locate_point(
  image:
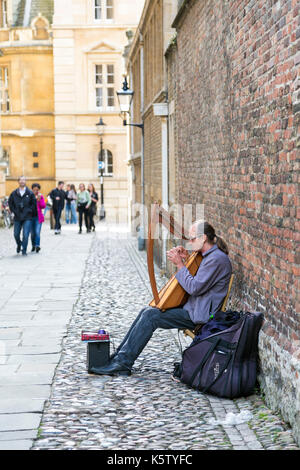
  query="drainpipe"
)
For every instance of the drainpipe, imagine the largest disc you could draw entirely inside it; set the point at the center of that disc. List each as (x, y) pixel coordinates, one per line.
(165, 183)
(141, 237)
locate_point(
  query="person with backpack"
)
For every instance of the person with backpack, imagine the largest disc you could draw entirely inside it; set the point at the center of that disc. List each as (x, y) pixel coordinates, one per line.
(58, 197)
(22, 204)
(207, 290)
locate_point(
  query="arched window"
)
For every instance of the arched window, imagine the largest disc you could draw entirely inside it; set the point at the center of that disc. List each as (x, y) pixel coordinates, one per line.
(107, 157)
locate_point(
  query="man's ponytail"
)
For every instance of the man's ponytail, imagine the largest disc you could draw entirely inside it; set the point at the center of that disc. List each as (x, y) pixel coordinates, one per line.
(221, 244)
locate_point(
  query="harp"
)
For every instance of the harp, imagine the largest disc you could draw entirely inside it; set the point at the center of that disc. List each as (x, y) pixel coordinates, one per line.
(172, 294)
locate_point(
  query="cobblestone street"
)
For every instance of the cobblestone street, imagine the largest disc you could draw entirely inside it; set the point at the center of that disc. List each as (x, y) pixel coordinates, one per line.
(147, 410)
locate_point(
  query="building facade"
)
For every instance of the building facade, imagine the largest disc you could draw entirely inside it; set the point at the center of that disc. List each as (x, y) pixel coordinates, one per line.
(89, 37)
(148, 78)
(61, 64)
(26, 94)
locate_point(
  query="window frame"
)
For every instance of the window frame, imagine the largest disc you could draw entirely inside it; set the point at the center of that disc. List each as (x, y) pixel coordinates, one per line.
(104, 8)
(7, 158)
(105, 86)
(5, 89)
(4, 13)
(103, 157)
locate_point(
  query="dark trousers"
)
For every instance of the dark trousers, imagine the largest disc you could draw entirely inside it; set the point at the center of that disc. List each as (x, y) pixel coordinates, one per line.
(142, 329)
(91, 215)
(82, 211)
(57, 215)
(20, 225)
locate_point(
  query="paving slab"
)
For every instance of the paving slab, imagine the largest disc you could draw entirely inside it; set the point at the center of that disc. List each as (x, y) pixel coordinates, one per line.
(17, 405)
(17, 435)
(16, 445)
(19, 421)
(25, 392)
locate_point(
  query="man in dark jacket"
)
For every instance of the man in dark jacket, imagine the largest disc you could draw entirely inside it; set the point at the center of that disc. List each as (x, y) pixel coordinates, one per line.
(22, 204)
(58, 197)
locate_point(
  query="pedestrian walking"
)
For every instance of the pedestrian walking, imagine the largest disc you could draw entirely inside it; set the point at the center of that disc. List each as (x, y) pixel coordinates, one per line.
(22, 204)
(92, 211)
(58, 197)
(83, 204)
(71, 197)
(37, 221)
(207, 290)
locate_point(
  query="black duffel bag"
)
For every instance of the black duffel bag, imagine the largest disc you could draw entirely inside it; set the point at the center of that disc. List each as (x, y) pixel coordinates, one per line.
(223, 363)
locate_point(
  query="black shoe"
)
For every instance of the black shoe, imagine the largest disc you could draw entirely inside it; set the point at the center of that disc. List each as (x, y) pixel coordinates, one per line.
(33, 248)
(112, 368)
(18, 248)
(94, 228)
(24, 253)
(37, 248)
(80, 231)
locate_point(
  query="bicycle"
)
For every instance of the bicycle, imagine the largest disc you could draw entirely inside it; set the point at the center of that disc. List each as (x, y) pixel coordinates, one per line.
(6, 214)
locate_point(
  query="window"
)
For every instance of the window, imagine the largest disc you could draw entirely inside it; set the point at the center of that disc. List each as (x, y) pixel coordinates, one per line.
(98, 9)
(3, 13)
(109, 9)
(104, 86)
(106, 157)
(5, 157)
(104, 9)
(4, 92)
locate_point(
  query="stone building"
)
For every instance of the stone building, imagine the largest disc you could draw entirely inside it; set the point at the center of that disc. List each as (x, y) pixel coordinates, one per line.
(237, 113)
(61, 63)
(27, 93)
(147, 70)
(89, 37)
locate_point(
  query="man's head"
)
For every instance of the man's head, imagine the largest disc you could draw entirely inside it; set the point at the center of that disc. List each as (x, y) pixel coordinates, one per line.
(22, 182)
(201, 236)
(61, 185)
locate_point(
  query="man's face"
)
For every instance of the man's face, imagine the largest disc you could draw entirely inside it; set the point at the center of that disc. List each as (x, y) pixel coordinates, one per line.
(22, 183)
(61, 186)
(196, 242)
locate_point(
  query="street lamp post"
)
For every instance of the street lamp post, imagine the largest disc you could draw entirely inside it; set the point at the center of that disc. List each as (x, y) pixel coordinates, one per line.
(101, 165)
(125, 97)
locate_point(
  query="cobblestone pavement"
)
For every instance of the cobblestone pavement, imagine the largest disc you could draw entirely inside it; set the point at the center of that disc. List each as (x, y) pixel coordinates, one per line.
(147, 410)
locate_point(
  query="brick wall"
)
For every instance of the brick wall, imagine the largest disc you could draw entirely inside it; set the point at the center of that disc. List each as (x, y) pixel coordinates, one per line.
(237, 116)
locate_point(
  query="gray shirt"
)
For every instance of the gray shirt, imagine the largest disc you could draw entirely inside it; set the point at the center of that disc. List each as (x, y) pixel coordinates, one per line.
(208, 288)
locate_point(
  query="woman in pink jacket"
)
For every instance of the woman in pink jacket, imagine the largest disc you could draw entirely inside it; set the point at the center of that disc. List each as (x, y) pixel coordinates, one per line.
(37, 221)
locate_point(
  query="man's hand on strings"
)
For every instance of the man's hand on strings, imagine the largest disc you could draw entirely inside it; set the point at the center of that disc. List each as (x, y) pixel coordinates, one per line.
(177, 256)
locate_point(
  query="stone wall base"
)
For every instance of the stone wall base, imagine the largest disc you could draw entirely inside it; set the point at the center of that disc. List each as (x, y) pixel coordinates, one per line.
(280, 380)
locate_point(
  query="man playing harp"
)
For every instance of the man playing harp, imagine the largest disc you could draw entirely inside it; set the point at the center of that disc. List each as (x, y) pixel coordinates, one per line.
(207, 290)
